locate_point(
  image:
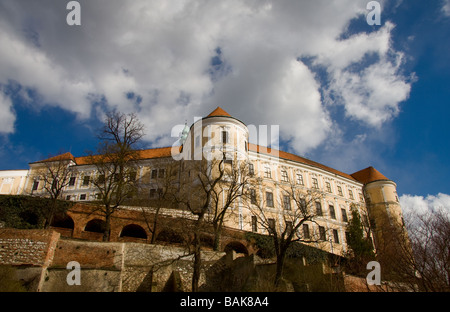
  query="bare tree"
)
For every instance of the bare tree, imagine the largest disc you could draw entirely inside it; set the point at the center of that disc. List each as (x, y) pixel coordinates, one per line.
(196, 192)
(229, 189)
(55, 173)
(298, 208)
(421, 261)
(115, 163)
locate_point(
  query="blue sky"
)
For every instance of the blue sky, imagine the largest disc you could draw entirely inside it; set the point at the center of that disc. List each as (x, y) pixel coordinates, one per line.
(344, 93)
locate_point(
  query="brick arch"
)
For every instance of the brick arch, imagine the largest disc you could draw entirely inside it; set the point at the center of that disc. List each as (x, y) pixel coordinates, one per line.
(65, 221)
(237, 246)
(133, 230)
(95, 225)
(168, 235)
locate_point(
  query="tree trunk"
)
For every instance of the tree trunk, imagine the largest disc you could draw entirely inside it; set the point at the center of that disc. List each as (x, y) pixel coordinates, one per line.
(107, 232)
(280, 265)
(217, 235)
(51, 214)
(197, 263)
(155, 224)
(197, 253)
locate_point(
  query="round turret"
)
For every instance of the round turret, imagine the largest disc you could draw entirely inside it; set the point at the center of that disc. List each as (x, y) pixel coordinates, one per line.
(215, 135)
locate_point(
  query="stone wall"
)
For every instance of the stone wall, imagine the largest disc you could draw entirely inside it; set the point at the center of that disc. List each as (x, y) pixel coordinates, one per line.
(27, 247)
(104, 266)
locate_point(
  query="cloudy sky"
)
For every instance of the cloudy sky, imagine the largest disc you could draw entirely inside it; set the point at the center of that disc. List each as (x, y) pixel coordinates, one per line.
(344, 93)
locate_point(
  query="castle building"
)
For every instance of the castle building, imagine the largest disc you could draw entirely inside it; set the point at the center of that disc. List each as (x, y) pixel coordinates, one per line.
(274, 173)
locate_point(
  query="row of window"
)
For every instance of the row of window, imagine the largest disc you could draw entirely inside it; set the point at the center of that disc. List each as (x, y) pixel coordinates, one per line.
(300, 181)
(306, 233)
(287, 205)
(86, 180)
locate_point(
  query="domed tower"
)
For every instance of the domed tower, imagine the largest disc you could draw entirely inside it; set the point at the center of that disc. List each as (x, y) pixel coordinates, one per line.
(211, 136)
(384, 208)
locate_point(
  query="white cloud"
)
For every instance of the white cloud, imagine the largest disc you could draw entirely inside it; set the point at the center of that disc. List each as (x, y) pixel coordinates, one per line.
(421, 205)
(161, 53)
(446, 7)
(372, 94)
(7, 116)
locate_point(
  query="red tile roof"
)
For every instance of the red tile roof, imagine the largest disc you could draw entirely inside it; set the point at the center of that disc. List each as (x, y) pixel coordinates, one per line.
(368, 175)
(65, 156)
(219, 112)
(142, 154)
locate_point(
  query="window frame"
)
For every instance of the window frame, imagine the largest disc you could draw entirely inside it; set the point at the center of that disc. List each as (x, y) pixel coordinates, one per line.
(269, 199)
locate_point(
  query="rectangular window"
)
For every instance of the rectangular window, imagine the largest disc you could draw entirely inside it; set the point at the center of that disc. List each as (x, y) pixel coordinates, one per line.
(253, 196)
(68, 197)
(254, 224)
(347, 236)
(284, 176)
(101, 178)
(72, 181)
(306, 234)
(303, 205)
(344, 215)
(328, 186)
(86, 180)
(340, 191)
(336, 236)
(154, 173)
(332, 212)
(271, 225)
(322, 235)
(287, 202)
(267, 172)
(162, 173)
(315, 183)
(35, 185)
(299, 179)
(269, 199)
(289, 227)
(251, 169)
(224, 137)
(319, 209)
(350, 194)
(83, 197)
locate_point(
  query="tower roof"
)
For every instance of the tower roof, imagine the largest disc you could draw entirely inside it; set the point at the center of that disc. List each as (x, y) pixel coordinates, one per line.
(368, 175)
(219, 112)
